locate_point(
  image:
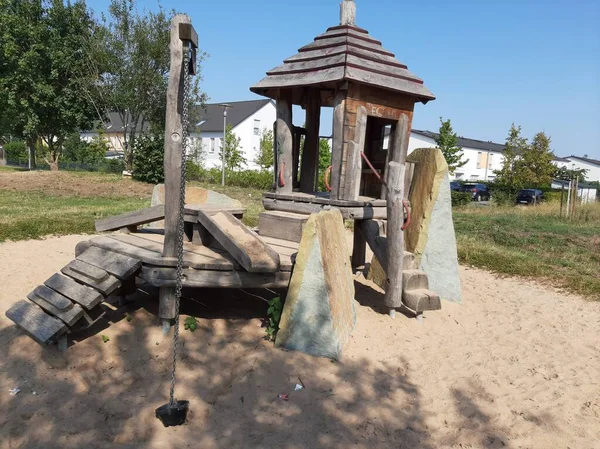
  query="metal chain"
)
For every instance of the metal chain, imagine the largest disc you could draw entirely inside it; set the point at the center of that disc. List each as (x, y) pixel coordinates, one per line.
(180, 224)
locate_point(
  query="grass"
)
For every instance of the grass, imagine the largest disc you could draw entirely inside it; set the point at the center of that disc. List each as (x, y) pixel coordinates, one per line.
(534, 242)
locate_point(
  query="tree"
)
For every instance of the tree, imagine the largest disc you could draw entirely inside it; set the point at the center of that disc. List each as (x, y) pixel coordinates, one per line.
(43, 73)
(82, 152)
(266, 157)
(234, 159)
(447, 142)
(509, 176)
(535, 165)
(133, 63)
(567, 174)
(324, 161)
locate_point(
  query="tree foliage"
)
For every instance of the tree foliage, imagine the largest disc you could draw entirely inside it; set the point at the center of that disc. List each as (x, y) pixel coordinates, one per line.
(43, 72)
(266, 156)
(234, 158)
(515, 146)
(447, 142)
(84, 153)
(149, 158)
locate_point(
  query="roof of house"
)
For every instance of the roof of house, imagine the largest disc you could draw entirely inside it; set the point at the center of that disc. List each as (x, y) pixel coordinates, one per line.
(114, 124)
(344, 53)
(561, 159)
(586, 159)
(211, 117)
(465, 142)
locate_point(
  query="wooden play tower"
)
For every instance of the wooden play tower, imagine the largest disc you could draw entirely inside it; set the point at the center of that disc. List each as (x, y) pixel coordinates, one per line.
(373, 96)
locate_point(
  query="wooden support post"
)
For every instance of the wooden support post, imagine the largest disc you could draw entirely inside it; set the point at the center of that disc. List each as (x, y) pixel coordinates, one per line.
(275, 155)
(284, 140)
(354, 161)
(297, 140)
(395, 235)
(359, 251)
(310, 155)
(174, 136)
(166, 303)
(339, 111)
(399, 142)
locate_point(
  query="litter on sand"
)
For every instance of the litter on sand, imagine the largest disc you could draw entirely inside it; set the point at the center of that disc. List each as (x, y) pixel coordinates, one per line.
(15, 391)
(285, 397)
(298, 387)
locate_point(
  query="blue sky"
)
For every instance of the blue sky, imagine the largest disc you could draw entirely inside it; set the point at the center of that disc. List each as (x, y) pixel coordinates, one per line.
(535, 63)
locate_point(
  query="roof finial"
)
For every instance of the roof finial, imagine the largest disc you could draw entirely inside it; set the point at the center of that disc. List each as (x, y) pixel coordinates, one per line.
(348, 13)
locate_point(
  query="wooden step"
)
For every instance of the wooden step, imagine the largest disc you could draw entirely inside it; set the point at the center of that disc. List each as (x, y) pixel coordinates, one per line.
(92, 276)
(42, 327)
(414, 280)
(87, 297)
(120, 266)
(245, 246)
(421, 300)
(410, 261)
(282, 225)
(56, 305)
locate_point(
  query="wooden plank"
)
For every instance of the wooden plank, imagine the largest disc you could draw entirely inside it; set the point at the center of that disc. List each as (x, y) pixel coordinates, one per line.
(194, 256)
(339, 110)
(284, 143)
(136, 218)
(56, 304)
(286, 247)
(188, 33)
(42, 327)
(282, 225)
(310, 154)
(306, 66)
(359, 247)
(354, 161)
(361, 201)
(90, 276)
(146, 256)
(389, 83)
(395, 236)
(116, 264)
(340, 49)
(87, 297)
(165, 277)
(382, 67)
(192, 209)
(244, 245)
(349, 213)
(173, 142)
(371, 231)
(299, 79)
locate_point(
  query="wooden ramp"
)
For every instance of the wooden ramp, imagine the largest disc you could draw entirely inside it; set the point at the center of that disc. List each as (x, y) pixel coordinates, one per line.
(71, 300)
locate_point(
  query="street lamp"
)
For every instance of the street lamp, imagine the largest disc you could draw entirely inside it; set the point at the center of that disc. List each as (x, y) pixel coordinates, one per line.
(225, 107)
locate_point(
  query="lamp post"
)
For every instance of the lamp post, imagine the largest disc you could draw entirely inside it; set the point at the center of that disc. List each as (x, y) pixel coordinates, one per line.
(225, 107)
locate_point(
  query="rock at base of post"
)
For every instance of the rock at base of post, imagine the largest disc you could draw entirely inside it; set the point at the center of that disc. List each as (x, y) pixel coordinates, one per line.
(319, 313)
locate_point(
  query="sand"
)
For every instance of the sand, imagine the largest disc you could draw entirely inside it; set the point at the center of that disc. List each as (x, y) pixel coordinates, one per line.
(517, 365)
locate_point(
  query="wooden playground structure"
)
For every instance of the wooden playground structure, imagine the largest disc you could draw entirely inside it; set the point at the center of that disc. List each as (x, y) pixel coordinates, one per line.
(371, 93)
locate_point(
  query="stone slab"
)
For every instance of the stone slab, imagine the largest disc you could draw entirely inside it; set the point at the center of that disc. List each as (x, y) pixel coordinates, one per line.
(431, 232)
(319, 312)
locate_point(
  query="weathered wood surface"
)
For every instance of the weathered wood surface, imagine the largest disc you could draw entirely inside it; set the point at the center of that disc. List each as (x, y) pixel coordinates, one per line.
(244, 245)
(136, 218)
(422, 300)
(91, 276)
(391, 82)
(194, 256)
(192, 209)
(113, 243)
(188, 33)
(174, 135)
(87, 297)
(285, 142)
(359, 247)
(354, 159)
(371, 231)
(395, 236)
(339, 113)
(42, 327)
(361, 201)
(167, 302)
(282, 225)
(165, 277)
(349, 213)
(114, 263)
(310, 154)
(56, 304)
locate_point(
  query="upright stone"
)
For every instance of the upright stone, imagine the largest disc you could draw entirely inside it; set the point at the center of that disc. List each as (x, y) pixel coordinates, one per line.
(431, 233)
(319, 313)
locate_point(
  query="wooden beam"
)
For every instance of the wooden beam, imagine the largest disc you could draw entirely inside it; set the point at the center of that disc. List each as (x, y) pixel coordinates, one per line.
(310, 155)
(174, 136)
(395, 236)
(116, 264)
(371, 231)
(42, 327)
(165, 277)
(87, 297)
(349, 213)
(339, 111)
(188, 33)
(354, 159)
(56, 304)
(244, 245)
(284, 140)
(139, 217)
(399, 143)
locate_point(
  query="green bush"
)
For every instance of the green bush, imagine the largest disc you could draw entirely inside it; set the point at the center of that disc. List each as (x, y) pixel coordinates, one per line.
(461, 198)
(111, 166)
(16, 152)
(553, 196)
(148, 159)
(246, 178)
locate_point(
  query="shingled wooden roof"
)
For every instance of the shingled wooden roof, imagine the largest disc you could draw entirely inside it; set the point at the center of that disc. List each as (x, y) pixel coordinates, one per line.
(344, 53)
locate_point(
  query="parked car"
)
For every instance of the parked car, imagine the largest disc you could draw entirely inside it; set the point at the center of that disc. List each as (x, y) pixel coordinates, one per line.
(530, 196)
(480, 191)
(455, 185)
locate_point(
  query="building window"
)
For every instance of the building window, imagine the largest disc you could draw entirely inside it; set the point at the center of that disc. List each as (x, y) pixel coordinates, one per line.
(491, 164)
(212, 145)
(479, 158)
(256, 127)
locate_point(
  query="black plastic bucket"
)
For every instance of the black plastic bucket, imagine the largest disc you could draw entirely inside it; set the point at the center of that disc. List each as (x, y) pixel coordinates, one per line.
(173, 416)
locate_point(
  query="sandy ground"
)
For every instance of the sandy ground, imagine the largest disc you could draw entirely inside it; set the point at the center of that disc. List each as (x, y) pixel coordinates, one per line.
(516, 366)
